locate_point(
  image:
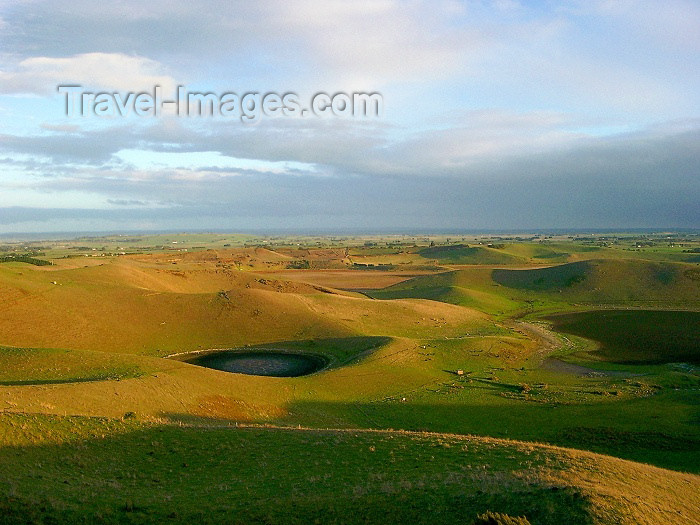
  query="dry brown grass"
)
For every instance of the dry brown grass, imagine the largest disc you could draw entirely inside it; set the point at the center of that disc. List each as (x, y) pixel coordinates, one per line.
(631, 493)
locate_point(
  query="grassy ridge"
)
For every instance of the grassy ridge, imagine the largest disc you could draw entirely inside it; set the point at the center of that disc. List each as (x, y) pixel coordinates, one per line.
(128, 472)
(594, 282)
(128, 307)
(608, 281)
(462, 254)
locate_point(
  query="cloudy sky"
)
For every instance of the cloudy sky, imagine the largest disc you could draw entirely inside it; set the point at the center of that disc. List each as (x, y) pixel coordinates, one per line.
(497, 115)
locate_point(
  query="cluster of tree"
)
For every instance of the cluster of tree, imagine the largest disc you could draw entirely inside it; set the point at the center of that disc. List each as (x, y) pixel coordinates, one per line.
(362, 266)
(299, 265)
(25, 259)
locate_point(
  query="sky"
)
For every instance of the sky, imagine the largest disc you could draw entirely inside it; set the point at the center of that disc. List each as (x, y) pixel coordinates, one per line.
(496, 115)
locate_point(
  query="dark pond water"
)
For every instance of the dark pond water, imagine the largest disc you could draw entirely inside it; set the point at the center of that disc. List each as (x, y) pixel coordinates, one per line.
(258, 363)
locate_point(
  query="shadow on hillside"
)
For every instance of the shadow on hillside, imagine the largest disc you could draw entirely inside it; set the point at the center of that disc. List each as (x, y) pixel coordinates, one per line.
(339, 351)
(35, 382)
(544, 279)
(171, 474)
(603, 428)
(636, 336)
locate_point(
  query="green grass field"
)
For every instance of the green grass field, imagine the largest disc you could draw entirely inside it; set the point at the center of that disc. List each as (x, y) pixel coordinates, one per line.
(559, 344)
(72, 470)
(637, 337)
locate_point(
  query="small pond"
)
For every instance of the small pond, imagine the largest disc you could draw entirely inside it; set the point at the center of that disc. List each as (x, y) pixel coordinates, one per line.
(261, 363)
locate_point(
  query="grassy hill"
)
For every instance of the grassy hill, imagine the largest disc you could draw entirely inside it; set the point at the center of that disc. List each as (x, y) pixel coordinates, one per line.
(554, 252)
(608, 281)
(594, 282)
(97, 425)
(130, 307)
(76, 470)
(463, 254)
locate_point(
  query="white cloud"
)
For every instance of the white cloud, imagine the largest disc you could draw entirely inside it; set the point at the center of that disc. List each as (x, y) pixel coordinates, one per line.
(110, 71)
(672, 24)
(480, 96)
(370, 43)
(629, 57)
(365, 42)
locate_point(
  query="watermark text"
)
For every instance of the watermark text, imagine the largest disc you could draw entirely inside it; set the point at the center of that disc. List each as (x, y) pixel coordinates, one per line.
(250, 107)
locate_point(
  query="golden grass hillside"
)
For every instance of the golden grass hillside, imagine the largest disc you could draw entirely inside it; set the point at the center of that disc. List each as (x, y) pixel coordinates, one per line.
(64, 469)
(96, 424)
(129, 306)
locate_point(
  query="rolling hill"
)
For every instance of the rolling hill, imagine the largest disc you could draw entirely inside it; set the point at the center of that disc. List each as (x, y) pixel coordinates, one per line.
(463, 254)
(594, 282)
(96, 424)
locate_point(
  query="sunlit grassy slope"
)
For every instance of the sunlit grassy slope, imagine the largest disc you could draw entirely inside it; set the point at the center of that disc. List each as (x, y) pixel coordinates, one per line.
(73, 470)
(127, 307)
(593, 283)
(92, 428)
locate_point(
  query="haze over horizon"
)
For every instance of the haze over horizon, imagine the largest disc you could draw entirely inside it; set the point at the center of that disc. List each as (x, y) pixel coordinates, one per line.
(499, 115)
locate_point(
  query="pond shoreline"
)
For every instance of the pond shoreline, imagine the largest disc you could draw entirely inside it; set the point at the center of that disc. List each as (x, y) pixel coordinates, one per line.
(265, 362)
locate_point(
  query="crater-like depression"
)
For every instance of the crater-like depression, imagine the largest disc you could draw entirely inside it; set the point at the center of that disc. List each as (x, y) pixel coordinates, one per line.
(260, 363)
